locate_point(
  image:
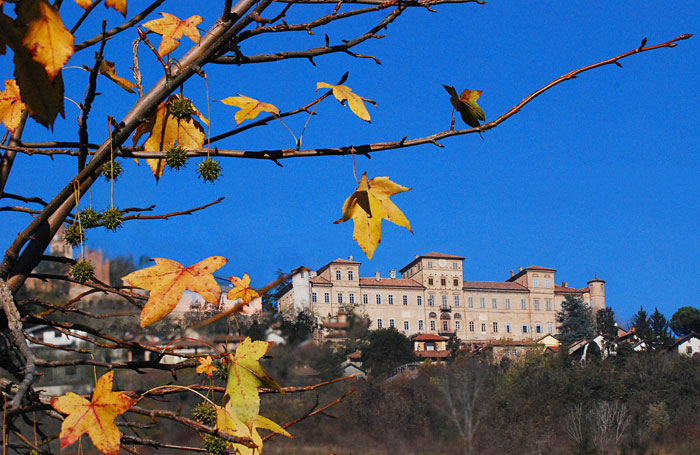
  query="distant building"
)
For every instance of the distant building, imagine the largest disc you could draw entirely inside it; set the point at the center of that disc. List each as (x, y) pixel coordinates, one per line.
(430, 295)
(688, 345)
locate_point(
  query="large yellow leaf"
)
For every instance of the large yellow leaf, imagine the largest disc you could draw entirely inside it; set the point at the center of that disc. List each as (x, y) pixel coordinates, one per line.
(168, 279)
(95, 417)
(367, 206)
(227, 421)
(355, 102)
(46, 38)
(172, 29)
(11, 105)
(250, 107)
(119, 5)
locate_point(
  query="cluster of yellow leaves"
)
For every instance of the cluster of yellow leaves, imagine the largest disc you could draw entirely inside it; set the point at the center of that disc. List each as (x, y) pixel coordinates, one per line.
(239, 416)
(249, 107)
(95, 417)
(367, 206)
(355, 102)
(11, 105)
(171, 29)
(167, 131)
(167, 281)
(119, 5)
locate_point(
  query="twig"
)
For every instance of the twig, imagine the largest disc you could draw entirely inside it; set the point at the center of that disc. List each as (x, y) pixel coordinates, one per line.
(84, 16)
(89, 98)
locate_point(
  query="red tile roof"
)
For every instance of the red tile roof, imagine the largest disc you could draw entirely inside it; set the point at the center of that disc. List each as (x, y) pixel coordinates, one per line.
(494, 285)
(567, 290)
(357, 355)
(336, 325)
(429, 337)
(434, 254)
(319, 280)
(344, 261)
(390, 282)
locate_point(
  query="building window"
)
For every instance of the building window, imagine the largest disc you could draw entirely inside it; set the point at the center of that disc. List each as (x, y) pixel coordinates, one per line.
(457, 301)
(445, 326)
(495, 327)
(548, 305)
(352, 298)
(458, 326)
(507, 304)
(525, 328)
(455, 282)
(454, 265)
(349, 275)
(391, 323)
(419, 300)
(494, 304)
(443, 282)
(430, 281)
(535, 282)
(509, 327)
(326, 297)
(432, 326)
(379, 299)
(483, 327)
(365, 299)
(391, 299)
(337, 275)
(537, 304)
(431, 300)
(523, 304)
(340, 298)
(405, 300)
(550, 329)
(379, 323)
(482, 302)
(547, 283)
(538, 328)
(471, 326)
(430, 264)
(470, 302)
(420, 325)
(302, 274)
(313, 297)
(444, 301)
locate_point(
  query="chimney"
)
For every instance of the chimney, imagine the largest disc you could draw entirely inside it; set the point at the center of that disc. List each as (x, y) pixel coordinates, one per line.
(392, 273)
(512, 273)
(416, 257)
(520, 269)
(565, 284)
(376, 276)
(349, 258)
(312, 273)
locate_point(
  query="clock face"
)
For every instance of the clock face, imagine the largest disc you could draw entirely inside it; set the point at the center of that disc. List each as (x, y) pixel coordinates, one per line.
(442, 263)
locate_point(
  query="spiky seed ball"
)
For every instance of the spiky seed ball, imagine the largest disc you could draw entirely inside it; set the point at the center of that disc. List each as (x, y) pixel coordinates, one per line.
(204, 413)
(74, 235)
(214, 444)
(112, 219)
(209, 170)
(222, 372)
(176, 157)
(111, 170)
(89, 218)
(82, 271)
(181, 108)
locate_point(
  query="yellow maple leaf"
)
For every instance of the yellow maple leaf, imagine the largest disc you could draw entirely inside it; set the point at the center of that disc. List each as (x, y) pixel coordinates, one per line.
(241, 289)
(367, 206)
(107, 69)
(119, 5)
(228, 422)
(95, 417)
(11, 105)
(355, 101)
(84, 4)
(168, 279)
(250, 107)
(46, 38)
(205, 366)
(171, 28)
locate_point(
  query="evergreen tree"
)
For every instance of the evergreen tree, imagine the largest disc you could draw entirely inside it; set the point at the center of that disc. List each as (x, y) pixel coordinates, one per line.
(605, 324)
(685, 320)
(640, 324)
(660, 335)
(575, 320)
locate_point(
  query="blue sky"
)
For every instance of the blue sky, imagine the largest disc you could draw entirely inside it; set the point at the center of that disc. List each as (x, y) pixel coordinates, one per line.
(598, 176)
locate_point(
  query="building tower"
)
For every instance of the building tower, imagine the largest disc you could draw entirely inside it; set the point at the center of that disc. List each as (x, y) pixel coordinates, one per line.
(597, 292)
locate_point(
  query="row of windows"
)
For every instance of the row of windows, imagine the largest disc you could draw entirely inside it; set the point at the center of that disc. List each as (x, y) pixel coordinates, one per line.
(536, 283)
(443, 281)
(525, 328)
(365, 298)
(455, 265)
(338, 275)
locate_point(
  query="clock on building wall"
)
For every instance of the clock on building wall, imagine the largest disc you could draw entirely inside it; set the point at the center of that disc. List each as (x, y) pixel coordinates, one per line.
(442, 263)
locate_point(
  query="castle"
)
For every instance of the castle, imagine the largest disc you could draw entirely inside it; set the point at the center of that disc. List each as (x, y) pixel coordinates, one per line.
(431, 296)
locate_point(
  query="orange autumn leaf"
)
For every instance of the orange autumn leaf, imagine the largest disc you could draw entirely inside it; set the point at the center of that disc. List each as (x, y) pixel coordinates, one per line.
(205, 366)
(250, 107)
(167, 281)
(119, 5)
(241, 289)
(46, 38)
(172, 29)
(108, 70)
(95, 417)
(11, 105)
(84, 4)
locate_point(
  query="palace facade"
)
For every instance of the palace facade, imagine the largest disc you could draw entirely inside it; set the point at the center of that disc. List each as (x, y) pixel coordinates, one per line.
(430, 295)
